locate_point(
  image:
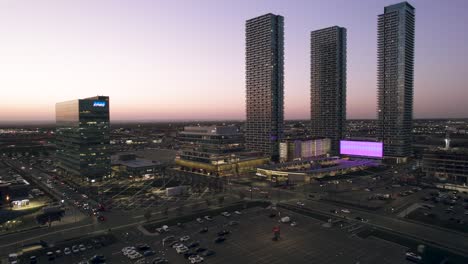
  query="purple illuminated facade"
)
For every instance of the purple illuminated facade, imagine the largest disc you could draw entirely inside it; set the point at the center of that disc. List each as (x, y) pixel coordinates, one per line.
(361, 148)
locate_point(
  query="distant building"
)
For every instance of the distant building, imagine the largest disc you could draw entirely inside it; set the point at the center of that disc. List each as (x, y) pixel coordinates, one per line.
(303, 149)
(82, 138)
(328, 84)
(216, 151)
(264, 84)
(395, 79)
(307, 170)
(446, 165)
(129, 165)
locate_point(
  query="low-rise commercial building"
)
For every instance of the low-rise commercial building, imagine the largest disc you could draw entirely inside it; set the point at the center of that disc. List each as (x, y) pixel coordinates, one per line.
(303, 149)
(129, 165)
(447, 165)
(216, 150)
(297, 172)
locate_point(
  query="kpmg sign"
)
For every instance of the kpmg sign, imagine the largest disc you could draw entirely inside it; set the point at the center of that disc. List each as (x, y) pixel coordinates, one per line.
(361, 148)
(99, 104)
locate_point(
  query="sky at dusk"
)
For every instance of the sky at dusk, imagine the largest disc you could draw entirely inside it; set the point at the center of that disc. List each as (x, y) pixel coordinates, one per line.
(182, 60)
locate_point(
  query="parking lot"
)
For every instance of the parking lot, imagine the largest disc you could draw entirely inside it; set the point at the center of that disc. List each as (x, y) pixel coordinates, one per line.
(249, 242)
(445, 209)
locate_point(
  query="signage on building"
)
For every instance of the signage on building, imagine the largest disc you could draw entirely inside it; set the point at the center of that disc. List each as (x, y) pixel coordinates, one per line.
(361, 148)
(99, 104)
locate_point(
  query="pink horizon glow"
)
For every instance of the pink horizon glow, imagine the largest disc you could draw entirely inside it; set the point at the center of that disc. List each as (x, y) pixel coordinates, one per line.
(183, 60)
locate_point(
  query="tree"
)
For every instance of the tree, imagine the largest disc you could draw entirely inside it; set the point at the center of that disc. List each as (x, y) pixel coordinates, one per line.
(147, 215)
(208, 202)
(166, 210)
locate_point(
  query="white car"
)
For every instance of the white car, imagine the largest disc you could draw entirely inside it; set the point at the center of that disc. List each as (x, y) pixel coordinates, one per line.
(195, 259)
(199, 220)
(128, 250)
(285, 219)
(413, 257)
(208, 218)
(134, 255)
(67, 251)
(184, 238)
(176, 245)
(346, 211)
(293, 224)
(226, 214)
(75, 249)
(82, 247)
(237, 212)
(300, 203)
(165, 228)
(181, 250)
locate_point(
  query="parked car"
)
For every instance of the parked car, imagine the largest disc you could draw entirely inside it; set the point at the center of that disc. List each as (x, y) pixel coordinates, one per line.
(223, 232)
(413, 257)
(184, 238)
(182, 249)
(220, 239)
(195, 259)
(82, 247)
(98, 259)
(225, 214)
(143, 247)
(75, 249)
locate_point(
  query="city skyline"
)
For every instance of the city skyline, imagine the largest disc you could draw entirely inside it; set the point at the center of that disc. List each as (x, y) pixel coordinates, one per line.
(140, 72)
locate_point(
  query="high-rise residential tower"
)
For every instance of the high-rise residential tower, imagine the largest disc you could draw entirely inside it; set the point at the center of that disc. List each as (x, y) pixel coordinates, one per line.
(328, 84)
(395, 79)
(82, 138)
(264, 84)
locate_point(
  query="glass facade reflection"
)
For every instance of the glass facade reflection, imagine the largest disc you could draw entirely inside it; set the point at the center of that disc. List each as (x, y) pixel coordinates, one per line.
(82, 138)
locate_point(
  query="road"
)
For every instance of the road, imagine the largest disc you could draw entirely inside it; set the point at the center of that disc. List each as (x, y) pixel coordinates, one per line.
(444, 238)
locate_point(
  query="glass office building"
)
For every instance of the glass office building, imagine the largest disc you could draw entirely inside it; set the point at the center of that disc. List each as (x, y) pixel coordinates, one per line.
(82, 138)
